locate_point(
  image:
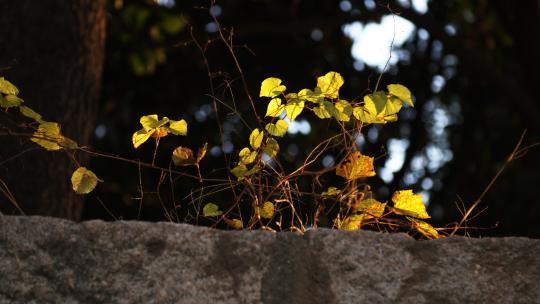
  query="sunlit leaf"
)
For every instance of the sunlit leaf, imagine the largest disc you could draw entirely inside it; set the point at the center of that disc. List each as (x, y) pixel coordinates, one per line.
(10, 101)
(330, 84)
(211, 210)
(272, 147)
(370, 206)
(378, 108)
(325, 109)
(140, 137)
(234, 223)
(183, 156)
(356, 166)
(331, 191)
(343, 110)
(352, 222)
(247, 156)
(7, 87)
(178, 127)
(267, 210)
(278, 129)
(48, 135)
(151, 122)
(424, 228)
(202, 152)
(255, 138)
(275, 108)
(401, 92)
(83, 181)
(271, 87)
(309, 95)
(408, 203)
(26, 111)
(160, 132)
(294, 106)
(239, 171)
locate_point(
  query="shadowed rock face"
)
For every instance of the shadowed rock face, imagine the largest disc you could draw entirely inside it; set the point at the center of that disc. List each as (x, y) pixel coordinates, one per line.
(45, 260)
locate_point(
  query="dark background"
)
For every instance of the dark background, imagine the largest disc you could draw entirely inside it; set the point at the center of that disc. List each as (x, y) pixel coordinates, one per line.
(472, 67)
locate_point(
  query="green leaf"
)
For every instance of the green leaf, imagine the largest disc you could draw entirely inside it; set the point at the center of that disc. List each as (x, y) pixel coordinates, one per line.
(325, 109)
(294, 106)
(343, 110)
(26, 111)
(378, 108)
(67, 143)
(83, 181)
(247, 156)
(10, 101)
(140, 137)
(7, 87)
(151, 122)
(48, 136)
(331, 191)
(408, 203)
(330, 84)
(401, 92)
(267, 210)
(272, 147)
(274, 108)
(183, 156)
(278, 129)
(255, 139)
(211, 210)
(178, 127)
(271, 87)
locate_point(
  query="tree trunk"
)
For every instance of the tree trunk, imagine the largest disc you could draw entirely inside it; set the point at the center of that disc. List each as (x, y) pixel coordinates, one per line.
(53, 51)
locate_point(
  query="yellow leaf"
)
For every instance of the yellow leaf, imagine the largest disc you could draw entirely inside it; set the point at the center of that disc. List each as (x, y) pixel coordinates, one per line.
(278, 129)
(9, 101)
(371, 207)
(183, 156)
(343, 110)
(329, 84)
(272, 147)
(83, 180)
(239, 171)
(294, 106)
(401, 92)
(267, 210)
(7, 87)
(378, 108)
(48, 136)
(408, 203)
(274, 108)
(151, 122)
(211, 210)
(325, 110)
(234, 223)
(140, 137)
(356, 166)
(270, 87)
(255, 139)
(178, 127)
(352, 222)
(309, 95)
(202, 152)
(331, 191)
(26, 111)
(247, 156)
(424, 228)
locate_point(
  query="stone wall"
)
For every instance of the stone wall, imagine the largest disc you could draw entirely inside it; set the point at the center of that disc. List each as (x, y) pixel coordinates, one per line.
(46, 260)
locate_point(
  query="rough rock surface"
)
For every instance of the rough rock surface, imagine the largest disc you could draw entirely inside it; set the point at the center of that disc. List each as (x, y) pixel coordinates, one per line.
(45, 260)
